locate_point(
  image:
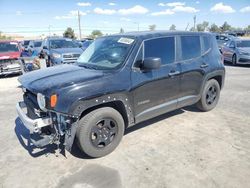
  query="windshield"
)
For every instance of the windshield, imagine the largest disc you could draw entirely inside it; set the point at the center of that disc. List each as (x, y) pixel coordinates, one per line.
(63, 43)
(106, 53)
(243, 44)
(9, 47)
(38, 44)
(26, 42)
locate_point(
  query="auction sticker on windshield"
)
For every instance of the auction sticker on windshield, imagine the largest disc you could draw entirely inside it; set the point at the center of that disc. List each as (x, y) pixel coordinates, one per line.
(125, 40)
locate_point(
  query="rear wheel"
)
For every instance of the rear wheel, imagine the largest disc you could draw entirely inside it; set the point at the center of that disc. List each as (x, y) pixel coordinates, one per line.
(100, 131)
(210, 96)
(234, 60)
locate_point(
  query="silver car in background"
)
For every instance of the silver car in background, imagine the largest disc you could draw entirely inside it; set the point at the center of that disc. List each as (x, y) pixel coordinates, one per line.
(35, 45)
(237, 51)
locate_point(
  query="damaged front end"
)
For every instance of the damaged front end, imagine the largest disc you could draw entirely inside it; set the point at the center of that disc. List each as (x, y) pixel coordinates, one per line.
(46, 126)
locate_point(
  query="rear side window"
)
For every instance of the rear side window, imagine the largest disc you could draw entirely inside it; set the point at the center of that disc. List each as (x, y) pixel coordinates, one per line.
(163, 48)
(206, 43)
(190, 46)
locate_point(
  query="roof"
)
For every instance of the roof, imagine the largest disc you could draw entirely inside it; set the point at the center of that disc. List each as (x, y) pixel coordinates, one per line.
(152, 34)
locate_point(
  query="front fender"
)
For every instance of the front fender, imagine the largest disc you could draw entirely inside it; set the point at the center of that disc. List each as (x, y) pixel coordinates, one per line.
(82, 105)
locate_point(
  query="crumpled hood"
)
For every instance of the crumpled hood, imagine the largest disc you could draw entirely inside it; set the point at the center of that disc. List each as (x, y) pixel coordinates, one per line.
(245, 50)
(9, 55)
(67, 50)
(49, 80)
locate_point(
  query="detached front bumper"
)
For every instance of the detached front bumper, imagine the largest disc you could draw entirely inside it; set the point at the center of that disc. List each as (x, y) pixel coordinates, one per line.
(33, 125)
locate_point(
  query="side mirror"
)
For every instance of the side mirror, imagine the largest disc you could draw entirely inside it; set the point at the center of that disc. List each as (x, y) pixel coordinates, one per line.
(31, 46)
(45, 47)
(151, 63)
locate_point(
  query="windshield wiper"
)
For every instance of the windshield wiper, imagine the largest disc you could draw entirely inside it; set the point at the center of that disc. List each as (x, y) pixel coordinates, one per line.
(87, 66)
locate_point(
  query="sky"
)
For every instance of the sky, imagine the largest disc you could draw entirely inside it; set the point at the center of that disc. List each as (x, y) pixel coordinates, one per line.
(37, 17)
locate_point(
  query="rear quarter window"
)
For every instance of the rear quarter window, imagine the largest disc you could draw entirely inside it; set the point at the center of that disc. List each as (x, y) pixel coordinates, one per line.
(190, 47)
(206, 43)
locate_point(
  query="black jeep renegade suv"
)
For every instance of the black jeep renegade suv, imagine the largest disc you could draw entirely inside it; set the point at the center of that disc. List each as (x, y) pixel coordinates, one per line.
(118, 81)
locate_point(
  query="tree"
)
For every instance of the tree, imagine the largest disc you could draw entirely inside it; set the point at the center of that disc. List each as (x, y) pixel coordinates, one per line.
(152, 27)
(203, 26)
(96, 33)
(121, 30)
(225, 27)
(172, 27)
(192, 29)
(69, 33)
(214, 28)
(3, 37)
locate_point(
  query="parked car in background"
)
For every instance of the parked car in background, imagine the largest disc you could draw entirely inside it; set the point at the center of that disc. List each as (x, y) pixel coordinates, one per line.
(237, 51)
(9, 53)
(222, 39)
(86, 43)
(119, 81)
(35, 45)
(60, 50)
(25, 43)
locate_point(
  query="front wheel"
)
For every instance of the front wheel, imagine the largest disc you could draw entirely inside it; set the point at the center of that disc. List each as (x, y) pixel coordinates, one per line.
(210, 96)
(100, 131)
(234, 60)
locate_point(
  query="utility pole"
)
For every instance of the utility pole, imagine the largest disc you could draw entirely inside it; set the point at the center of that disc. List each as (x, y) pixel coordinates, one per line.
(49, 30)
(195, 23)
(138, 25)
(79, 25)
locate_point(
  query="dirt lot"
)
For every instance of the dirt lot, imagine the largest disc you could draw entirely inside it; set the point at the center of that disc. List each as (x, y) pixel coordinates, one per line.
(184, 148)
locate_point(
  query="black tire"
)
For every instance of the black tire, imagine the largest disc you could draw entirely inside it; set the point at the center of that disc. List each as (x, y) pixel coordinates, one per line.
(234, 60)
(210, 96)
(100, 132)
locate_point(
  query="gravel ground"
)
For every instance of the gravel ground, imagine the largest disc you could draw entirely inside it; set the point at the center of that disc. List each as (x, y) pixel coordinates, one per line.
(184, 148)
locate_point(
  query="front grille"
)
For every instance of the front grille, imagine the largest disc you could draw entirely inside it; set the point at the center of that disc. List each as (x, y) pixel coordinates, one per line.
(5, 62)
(69, 56)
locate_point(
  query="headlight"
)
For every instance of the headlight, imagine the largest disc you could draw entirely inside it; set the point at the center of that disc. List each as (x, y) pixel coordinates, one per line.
(41, 101)
(56, 55)
(243, 53)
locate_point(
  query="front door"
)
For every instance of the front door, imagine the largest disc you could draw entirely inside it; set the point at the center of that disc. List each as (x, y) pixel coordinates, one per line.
(156, 92)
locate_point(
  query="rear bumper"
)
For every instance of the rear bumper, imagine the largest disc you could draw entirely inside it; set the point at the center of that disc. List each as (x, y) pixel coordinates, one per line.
(33, 125)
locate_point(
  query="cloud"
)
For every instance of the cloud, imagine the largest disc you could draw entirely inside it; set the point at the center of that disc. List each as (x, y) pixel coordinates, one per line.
(137, 9)
(185, 9)
(245, 9)
(197, 2)
(221, 8)
(104, 11)
(84, 4)
(71, 15)
(19, 13)
(173, 4)
(112, 4)
(175, 7)
(125, 19)
(165, 12)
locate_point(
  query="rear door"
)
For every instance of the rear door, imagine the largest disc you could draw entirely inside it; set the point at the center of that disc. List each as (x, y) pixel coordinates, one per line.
(156, 91)
(193, 68)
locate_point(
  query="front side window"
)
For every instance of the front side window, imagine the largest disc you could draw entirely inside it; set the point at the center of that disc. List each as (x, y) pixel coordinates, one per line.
(163, 48)
(8, 47)
(106, 52)
(190, 46)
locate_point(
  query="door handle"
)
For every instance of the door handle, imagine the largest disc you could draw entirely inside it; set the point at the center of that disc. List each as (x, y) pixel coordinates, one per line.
(204, 65)
(174, 73)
